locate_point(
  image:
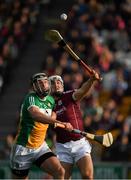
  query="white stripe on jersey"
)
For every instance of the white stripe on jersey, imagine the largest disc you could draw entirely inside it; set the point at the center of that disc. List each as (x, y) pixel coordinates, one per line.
(31, 101)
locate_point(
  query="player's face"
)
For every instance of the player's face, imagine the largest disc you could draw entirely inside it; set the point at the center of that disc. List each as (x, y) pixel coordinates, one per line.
(57, 86)
(43, 84)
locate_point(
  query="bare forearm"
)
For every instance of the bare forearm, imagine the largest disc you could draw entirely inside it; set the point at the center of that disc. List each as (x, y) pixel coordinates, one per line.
(85, 90)
(53, 115)
(87, 86)
(39, 116)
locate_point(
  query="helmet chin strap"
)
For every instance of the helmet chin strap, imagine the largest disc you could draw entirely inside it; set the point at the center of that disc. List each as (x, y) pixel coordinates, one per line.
(45, 93)
(39, 90)
(57, 94)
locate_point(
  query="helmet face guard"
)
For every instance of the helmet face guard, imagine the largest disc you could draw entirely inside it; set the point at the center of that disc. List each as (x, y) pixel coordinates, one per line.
(54, 78)
(35, 80)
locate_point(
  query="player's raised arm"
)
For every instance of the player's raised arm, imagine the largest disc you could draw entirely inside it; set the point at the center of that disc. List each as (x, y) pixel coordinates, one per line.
(86, 88)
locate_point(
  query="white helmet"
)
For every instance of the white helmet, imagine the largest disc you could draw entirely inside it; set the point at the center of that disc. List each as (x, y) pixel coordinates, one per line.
(59, 92)
(56, 77)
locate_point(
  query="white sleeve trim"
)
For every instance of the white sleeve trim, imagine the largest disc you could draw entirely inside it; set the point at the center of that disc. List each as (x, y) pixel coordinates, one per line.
(32, 106)
(73, 97)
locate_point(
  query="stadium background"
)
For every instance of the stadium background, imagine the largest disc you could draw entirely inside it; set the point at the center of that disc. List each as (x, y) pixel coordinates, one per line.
(100, 33)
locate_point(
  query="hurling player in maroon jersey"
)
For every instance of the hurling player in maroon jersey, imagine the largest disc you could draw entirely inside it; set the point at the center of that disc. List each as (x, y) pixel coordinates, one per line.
(72, 148)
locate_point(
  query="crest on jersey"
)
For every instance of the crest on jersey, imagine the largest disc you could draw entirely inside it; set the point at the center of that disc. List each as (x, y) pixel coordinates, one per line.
(49, 104)
(60, 102)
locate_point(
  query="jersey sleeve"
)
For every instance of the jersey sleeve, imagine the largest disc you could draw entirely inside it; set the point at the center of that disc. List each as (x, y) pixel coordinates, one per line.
(73, 97)
(31, 100)
(69, 94)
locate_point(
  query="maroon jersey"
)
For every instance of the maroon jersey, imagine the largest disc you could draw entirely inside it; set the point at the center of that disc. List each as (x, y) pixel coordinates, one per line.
(68, 110)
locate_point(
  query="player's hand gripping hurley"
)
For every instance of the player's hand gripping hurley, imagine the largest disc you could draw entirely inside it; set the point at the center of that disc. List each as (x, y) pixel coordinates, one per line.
(105, 139)
(55, 36)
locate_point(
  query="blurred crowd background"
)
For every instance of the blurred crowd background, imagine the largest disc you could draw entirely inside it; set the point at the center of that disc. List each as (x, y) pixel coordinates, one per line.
(100, 33)
(17, 21)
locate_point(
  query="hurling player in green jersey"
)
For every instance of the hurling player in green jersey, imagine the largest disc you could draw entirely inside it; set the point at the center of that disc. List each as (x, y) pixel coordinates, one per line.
(30, 146)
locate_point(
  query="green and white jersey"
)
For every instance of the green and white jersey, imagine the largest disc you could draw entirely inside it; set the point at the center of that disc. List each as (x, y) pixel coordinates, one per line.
(32, 133)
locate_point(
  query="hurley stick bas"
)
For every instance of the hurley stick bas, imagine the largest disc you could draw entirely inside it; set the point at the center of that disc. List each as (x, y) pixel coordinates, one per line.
(105, 139)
